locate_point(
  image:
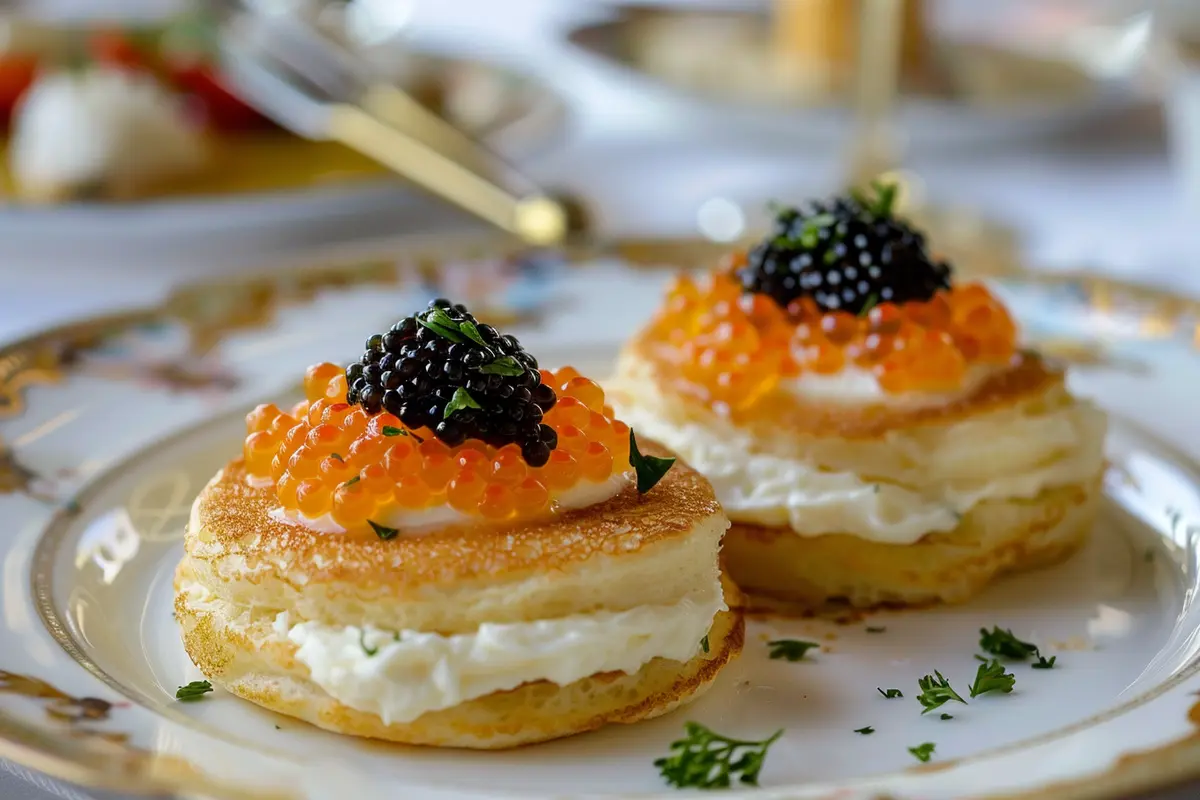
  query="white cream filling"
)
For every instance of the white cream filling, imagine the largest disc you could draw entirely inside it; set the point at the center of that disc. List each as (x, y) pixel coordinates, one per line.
(401, 675)
(853, 386)
(581, 495)
(1013, 456)
(74, 129)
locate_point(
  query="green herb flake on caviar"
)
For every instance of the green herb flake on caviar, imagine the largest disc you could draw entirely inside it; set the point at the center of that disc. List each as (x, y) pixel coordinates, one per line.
(460, 400)
(392, 430)
(469, 330)
(504, 365)
(790, 649)
(704, 759)
(871, 301)
(438, 321)
(193, 691)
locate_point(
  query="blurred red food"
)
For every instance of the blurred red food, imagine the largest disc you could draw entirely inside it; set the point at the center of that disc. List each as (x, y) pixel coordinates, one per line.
(113, 47)
(221, 110)
(16, 74)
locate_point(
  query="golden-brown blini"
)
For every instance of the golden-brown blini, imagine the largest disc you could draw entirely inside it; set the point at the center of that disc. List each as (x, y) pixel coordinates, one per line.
(424, 638)
(885, 503)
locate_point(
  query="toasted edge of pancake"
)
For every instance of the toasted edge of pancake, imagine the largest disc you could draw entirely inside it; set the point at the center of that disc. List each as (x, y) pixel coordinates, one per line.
(236, 651)
(631, 550)
(995, 537)
(1028, 378)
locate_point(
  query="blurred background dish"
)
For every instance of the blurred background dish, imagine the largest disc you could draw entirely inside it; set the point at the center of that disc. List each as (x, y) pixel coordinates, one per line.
(114, 89)
(787, 68)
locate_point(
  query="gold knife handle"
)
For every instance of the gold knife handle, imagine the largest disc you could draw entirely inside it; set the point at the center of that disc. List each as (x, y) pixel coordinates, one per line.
(404, 112)
(536, 219)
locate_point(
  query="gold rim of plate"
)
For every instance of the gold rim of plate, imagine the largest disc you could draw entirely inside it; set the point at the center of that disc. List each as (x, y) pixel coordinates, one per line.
(115, 765)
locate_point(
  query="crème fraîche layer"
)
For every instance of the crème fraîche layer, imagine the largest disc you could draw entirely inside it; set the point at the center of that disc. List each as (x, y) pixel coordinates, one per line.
(887, 469)
(594, 615)
(876, 498)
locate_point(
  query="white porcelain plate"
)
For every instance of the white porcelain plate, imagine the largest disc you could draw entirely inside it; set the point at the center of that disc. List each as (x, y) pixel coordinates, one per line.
(109, 428)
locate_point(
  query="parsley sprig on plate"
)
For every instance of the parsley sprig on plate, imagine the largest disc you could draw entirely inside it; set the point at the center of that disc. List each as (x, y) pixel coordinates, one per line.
(704, 759)
(991, 677)
(1001, 642)
(936, 692)
(789, 649)
(923, 752)
(193, 691)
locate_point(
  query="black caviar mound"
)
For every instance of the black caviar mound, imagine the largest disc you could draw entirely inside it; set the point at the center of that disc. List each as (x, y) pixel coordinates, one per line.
(440, 369)
(848, 254)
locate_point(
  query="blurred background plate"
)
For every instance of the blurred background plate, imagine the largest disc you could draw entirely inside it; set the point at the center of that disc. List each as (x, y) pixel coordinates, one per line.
(959, 88)
(255, 176)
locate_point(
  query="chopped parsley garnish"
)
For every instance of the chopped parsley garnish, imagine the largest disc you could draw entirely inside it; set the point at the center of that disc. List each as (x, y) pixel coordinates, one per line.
(1002, 643)
(704, 643)
(468, 329)
(193, 691)
(947, 716)
(809, 235)
(864, 731)
(650, 469)
(352, 481)
(871, 301)
(991, 677)
(392, 430)
(438, 321)
(704, 759)
(383, 531)
(362, 642)
(460, 400)
(790, 649)
(935, 692)
(337, 456)
(871, 629)
(881, 204)
(504, 365)
(923, 752)
(890, 694)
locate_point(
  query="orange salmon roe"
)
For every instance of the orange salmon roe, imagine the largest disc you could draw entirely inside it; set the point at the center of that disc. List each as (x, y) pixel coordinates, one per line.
(730, 349)
(326, 457)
